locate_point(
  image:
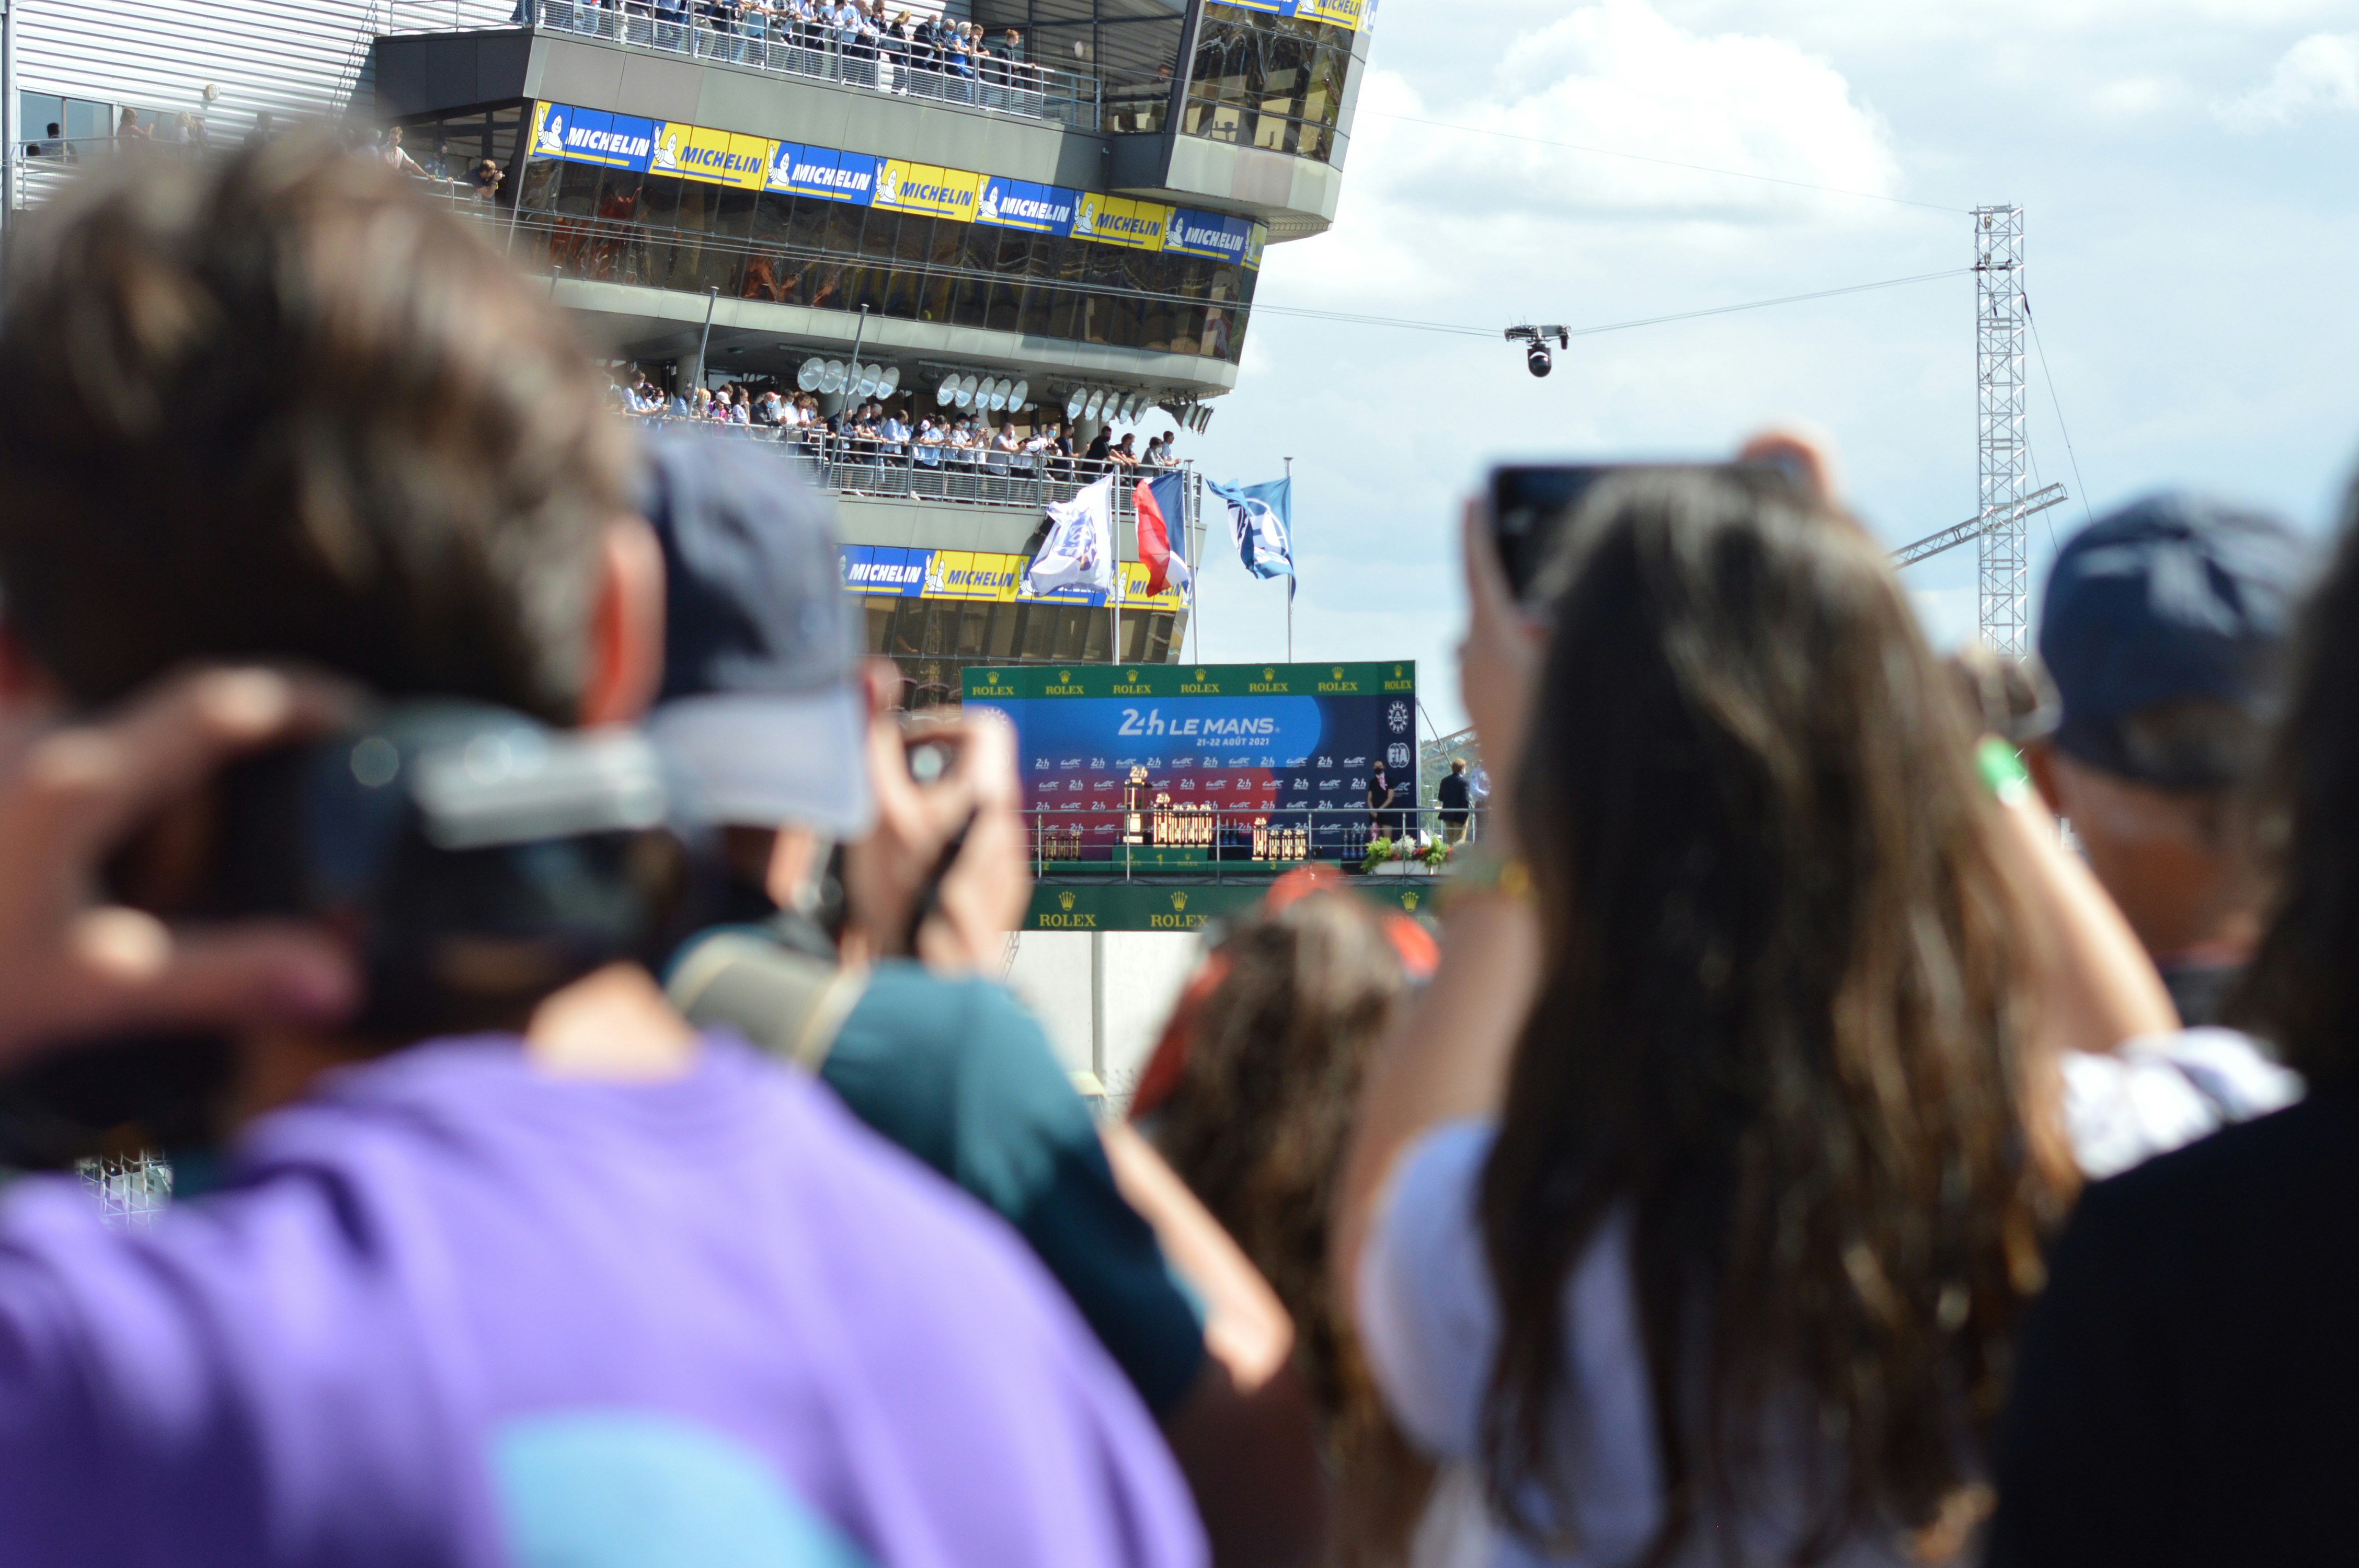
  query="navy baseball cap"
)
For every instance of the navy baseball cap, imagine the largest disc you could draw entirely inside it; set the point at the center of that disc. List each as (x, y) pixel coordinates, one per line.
(2171, 598)
(761, 696)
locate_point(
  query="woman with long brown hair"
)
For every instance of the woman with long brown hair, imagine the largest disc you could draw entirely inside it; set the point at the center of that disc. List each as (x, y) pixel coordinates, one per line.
(1699, 1199)
(1249, 1096)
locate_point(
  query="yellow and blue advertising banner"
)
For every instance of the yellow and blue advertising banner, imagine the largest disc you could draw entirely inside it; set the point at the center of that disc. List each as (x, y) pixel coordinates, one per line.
(907, 187)
(1214, 235)
(592, 135)
(567, 133)
(980, 575)
(1118, 221)
(849, 178)
(718, 158)
(1021, 204)
(1350, 15)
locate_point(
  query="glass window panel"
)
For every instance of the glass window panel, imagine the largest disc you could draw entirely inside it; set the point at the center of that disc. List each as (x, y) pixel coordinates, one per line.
(942, 264)
(733, 213)
(40, 116)
(973, 629)
(1037, 633)
(880, 623)
(1004, 619)
(577, 189)
(87, 122)
(540, 186)
(1097, 627)
(1072, 630)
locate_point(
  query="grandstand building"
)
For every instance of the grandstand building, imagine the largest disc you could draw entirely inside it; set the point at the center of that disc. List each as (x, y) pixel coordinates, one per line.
(1070, 228)
(1071, 224)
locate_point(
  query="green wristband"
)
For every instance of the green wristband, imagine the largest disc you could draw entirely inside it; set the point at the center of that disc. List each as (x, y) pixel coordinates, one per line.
(2003, 772)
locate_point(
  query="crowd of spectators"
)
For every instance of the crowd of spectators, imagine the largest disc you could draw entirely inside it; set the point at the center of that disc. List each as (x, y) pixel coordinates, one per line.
(1017, 445)
(1785, 1147)
(879, 45)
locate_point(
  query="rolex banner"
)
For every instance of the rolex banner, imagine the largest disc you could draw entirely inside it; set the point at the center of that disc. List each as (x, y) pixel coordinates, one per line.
(1165, 766)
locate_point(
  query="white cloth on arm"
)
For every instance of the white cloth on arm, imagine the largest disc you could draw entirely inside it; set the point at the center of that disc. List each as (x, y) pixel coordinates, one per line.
(1428, 1318)
(2160, 1092)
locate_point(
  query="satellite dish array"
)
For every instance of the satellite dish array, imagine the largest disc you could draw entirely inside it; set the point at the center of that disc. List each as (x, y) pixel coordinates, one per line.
(817, 375)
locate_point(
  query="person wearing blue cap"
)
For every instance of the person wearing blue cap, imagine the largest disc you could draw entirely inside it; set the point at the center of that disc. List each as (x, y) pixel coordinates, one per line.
(863, 963)
(2163, 629)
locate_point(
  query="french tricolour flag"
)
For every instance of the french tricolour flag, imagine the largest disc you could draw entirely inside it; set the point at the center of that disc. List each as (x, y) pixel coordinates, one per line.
(1160, 508)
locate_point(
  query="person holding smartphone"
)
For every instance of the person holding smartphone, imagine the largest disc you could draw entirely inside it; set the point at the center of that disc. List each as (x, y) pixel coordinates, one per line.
(584, 1285)
(876, 871)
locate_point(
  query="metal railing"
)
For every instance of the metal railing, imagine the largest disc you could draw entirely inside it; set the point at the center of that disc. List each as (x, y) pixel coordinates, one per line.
(1165, 838)
(774, 42)
(854, 465)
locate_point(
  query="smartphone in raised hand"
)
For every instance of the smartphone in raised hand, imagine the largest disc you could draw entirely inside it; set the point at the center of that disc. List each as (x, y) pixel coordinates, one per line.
(1531, 504)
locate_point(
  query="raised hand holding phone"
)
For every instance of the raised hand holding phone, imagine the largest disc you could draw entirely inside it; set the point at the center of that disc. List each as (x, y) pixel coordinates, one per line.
(942, 876)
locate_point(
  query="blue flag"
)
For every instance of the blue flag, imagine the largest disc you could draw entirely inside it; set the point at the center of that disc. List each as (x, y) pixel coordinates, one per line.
(1261, 520)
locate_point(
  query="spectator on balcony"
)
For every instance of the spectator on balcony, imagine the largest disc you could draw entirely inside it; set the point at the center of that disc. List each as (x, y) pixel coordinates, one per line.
(931, 440)
(893, 431)
(900, 43)
(54, 145)
(1100, 447)
(926, 44)
(396, 157)
(1124, 456)
(487, 180)
(1007, 445)
(1010, 51)
(129, 129)
(1163, 453)
(191, 132)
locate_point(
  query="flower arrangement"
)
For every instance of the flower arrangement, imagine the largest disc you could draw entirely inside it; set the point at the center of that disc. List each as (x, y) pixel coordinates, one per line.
(1432, 855)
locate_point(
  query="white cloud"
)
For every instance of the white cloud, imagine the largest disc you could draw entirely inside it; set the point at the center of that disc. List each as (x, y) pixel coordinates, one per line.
(2133, 96)
(2321, 71)
(1619, 76)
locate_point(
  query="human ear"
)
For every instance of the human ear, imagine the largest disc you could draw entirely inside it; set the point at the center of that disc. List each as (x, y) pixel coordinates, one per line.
(626, 625)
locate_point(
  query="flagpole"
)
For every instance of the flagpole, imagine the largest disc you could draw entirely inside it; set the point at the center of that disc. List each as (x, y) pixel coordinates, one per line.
(1289, 577)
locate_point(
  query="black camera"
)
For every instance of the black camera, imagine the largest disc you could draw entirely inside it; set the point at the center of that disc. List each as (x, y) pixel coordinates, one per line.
(1534, 342)
(475, 860)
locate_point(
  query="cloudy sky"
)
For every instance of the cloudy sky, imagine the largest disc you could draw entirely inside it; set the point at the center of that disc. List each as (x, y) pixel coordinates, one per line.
(2188, 172)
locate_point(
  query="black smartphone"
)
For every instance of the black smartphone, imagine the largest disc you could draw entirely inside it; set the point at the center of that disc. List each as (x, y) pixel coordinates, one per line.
(1531, 504)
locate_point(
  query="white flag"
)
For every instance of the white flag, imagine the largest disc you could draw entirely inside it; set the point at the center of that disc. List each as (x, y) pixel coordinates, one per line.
(1079, 550)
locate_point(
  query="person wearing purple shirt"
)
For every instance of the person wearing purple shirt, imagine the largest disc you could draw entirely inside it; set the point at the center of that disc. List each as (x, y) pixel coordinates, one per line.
(591, 1290)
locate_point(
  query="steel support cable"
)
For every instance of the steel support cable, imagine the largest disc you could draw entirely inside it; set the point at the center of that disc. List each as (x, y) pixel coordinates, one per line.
(1344, 317)
(2048, 376)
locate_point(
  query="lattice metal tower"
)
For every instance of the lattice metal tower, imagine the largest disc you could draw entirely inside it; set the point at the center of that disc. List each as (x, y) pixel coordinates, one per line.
(2000, 315)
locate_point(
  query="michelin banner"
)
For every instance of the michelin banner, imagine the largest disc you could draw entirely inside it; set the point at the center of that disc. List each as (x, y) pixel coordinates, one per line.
(889, 571)
(566, 134)
(1232, 741)
(1353, 15)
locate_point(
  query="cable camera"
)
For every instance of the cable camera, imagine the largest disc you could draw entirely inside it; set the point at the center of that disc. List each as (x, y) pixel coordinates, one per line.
(1536, 353)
